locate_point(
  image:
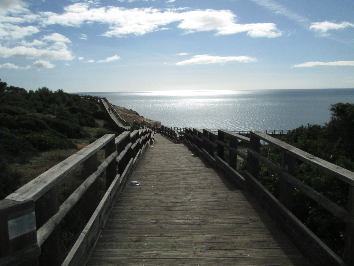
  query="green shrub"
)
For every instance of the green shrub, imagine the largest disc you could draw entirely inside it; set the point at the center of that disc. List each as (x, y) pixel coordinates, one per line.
(86, 121)
(9, 180)
(30, 123)
(67, 128)
(49, 140)
(99, 114)
(15, 148)
(12, 110)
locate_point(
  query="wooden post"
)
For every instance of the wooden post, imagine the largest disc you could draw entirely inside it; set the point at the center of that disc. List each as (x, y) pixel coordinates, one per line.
(46, 207)
(221, 137)
(232, 154)
(111, 170)
(349, 236)
(211, 148)
(253, 163)
(92, 194)
(196, 141)
(206, 144)
(18, 235)
(286, 190)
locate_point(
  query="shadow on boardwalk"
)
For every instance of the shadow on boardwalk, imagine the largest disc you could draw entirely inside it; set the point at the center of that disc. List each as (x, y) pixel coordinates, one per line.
(184, 213)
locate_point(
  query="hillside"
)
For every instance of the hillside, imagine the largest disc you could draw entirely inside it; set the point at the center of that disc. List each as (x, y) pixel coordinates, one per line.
(38, 129)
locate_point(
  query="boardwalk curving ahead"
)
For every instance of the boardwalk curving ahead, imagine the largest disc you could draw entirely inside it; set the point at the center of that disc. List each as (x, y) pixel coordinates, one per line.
(185, 213)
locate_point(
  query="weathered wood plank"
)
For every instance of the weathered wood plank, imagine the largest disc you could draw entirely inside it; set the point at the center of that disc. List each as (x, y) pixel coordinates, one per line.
(184, 212)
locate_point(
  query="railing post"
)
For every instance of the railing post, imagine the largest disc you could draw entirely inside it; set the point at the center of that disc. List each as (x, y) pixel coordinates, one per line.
(18, 235)
(232, 154)
(221, 137)
(211, 148)
(111, 170)
(253, 163)
(349, 236)
(286, 190)
(196, 140)
(46, 207)
(92, 195)
(206, 145)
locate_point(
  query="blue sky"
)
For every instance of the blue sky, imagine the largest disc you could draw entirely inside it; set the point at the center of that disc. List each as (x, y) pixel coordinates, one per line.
(145, 45)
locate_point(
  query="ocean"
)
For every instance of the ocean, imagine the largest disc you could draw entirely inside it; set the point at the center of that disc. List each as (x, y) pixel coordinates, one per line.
(234, 110)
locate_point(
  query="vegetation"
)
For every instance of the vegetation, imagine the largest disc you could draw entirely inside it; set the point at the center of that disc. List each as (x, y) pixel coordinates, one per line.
(41, 128)
(332, 142)
(38, 121)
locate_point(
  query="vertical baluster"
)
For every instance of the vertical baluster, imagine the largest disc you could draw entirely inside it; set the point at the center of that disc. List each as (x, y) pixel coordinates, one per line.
(286, 190)
(253, 163)
(92, 195)
(349, 236)
(211, 147)
(206, 143)
(111, 170)
(232, 154)
(46, 207)
(221, 137)
(18, 240)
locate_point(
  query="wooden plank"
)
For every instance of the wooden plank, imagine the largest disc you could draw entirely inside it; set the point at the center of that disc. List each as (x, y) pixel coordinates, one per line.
(184, 212)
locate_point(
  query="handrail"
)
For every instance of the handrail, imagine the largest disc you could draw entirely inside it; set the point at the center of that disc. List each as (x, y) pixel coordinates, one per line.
(213, 147)
(171, 133)
(36, 205)
(121, 124)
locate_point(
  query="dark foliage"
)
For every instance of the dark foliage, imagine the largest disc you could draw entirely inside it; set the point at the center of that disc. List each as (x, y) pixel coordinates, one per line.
(9, 180)
(36, 121)
(334, 143)
(15, 149)
(49, 140)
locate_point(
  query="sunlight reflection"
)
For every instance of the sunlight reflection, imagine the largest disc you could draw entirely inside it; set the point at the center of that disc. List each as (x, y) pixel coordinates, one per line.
(189, 93)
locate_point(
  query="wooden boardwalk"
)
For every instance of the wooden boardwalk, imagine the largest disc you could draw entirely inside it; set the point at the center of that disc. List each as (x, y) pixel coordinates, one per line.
(186, 213)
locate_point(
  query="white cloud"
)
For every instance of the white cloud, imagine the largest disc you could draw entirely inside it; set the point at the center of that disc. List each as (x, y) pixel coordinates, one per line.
(110, 59)
(223, 22)
(12, 66)
(325, 26)
(56, 37)
(182, 54)
(83, 37)
(11, 32)
(90, 61)
(33, 44)
(324, 64)
(139, 21)
(80, 58)
(209, 59)
(33, 53)
(12, 4)
(40, 64)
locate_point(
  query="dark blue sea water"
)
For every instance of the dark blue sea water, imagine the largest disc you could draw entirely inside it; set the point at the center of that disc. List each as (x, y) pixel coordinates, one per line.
(234, 110)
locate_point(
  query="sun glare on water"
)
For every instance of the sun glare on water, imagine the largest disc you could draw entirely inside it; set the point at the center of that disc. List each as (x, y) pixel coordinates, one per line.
(190, 93)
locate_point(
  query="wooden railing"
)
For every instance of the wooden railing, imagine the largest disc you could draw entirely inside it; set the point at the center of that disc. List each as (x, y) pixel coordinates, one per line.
(212, 146)
(30, 217)
(173, 134)
(119, 122)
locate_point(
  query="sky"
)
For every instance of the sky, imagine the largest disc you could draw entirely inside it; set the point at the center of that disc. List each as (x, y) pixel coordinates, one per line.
(154, 45)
